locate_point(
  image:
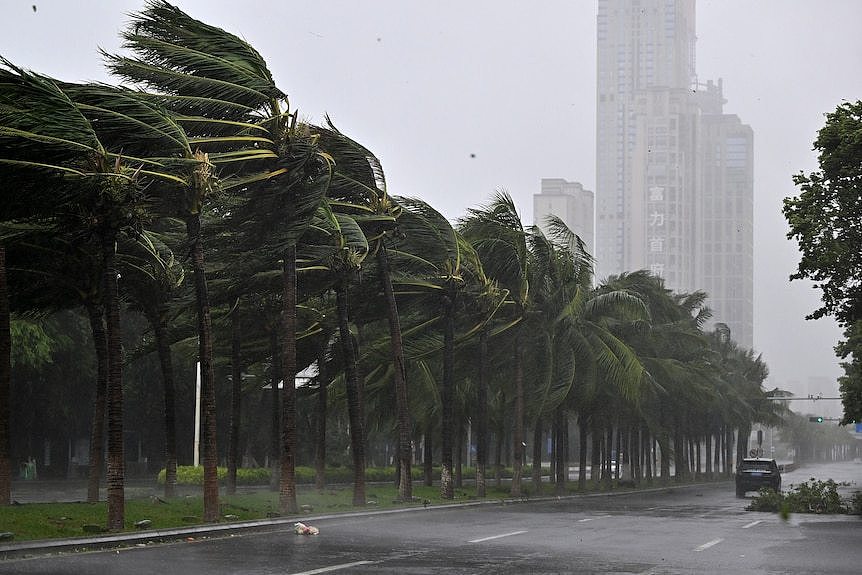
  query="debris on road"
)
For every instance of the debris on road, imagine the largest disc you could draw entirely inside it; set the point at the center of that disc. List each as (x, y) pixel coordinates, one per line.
(303, 529)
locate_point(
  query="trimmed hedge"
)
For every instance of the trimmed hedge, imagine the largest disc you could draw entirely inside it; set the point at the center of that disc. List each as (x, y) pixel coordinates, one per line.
(189, 475)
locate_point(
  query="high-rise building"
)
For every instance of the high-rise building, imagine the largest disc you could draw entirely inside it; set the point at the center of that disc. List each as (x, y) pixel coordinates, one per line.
(671, 168)
(570, 202)
(725, 240)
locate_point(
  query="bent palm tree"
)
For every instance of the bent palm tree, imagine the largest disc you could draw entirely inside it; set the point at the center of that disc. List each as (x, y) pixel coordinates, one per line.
(358, 188)
(500, 239)
(77, 131)
(221, 90)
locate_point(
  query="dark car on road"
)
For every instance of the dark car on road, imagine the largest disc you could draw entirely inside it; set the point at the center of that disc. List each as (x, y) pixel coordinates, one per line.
(755, 473)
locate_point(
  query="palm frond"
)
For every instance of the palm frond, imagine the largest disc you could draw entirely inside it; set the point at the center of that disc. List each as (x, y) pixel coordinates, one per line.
(178, 55)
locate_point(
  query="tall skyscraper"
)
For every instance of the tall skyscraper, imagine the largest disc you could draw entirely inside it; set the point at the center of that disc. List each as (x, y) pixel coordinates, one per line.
(664, 172)
(725, 240)
(570, 202)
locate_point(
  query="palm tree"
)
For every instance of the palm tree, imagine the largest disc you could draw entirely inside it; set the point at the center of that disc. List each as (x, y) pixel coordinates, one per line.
(440, 275)
(221, 90)
(500, 240)
(341, 247)
(574, 347)
(77, 131)
(358, 188)
(442, 255)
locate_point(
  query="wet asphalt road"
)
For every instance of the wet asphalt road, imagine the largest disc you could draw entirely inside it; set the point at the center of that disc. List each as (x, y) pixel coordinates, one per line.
(699, 529)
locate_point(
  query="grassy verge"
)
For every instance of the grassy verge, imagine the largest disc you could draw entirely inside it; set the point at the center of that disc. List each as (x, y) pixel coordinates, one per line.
(32, 521)
(59, 520)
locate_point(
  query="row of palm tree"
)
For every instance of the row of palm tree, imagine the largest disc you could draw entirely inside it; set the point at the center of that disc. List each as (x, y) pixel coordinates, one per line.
(299, 256)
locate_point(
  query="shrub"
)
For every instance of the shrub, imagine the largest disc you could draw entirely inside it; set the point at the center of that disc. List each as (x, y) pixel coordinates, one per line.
(190, 475)
(304, 474)
(252, 476)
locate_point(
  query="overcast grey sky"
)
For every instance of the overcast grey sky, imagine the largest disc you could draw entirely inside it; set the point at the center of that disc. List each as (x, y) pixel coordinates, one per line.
(459, 98)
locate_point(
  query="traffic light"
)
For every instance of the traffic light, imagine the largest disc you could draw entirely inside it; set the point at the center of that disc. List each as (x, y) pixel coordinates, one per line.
(818, 419)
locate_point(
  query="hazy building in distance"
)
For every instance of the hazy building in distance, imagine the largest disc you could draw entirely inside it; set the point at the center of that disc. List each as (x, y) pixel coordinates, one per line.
(570, 202)
(674, 182)
(725, 255)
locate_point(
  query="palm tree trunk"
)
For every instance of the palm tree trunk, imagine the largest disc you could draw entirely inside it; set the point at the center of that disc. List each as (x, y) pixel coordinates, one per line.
(97, 428)
(708, 458)
(538, 432)
(596, 459)
(561, 460)
(647, 455)
(428, 455)
(205, 353)
(607, 476)
(446, 400)
(235, 401)
(691, 463)
(458, 452)
(552, 456)
(583, 433)
(320, 436)
(664, 446)
(498, 457)
(287, 480)
(697, 469)
(518, 426)
(275, 409)
(5, 386)
(354, 396)
(164, 349)
(399, 379)
(719, 450)
(678, 454)
(726, 453)
(482, 416)
(116, 461)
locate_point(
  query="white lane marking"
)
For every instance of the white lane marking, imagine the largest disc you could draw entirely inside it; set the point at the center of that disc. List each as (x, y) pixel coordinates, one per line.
(496, 537)
(592, 518)
(709, 544)
(752, 524)
(335, 568)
